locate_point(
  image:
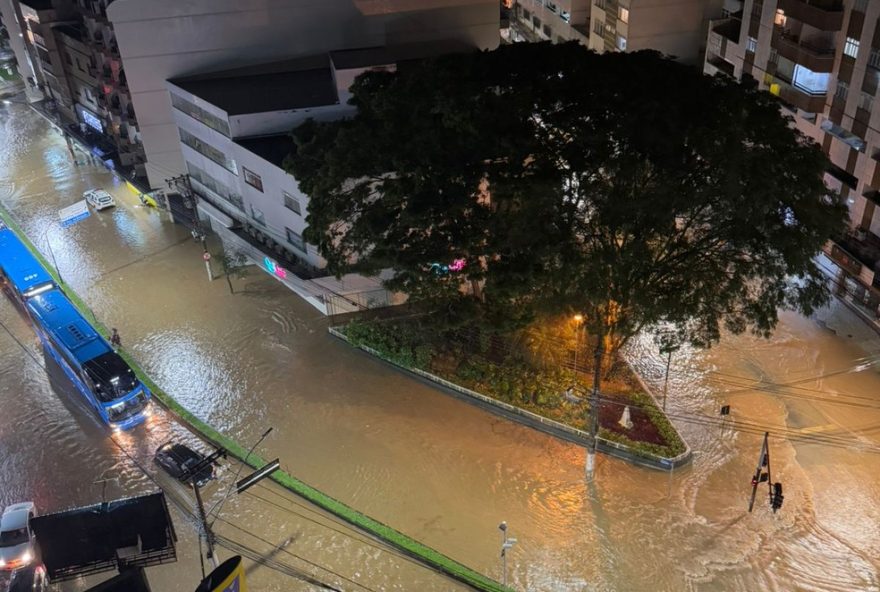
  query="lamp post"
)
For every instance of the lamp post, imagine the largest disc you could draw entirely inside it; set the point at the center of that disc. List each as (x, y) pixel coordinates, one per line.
(52, 252)
(506, 543)
(577, 340)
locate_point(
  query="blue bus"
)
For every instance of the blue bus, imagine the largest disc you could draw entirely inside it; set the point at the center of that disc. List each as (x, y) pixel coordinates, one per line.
(23, 274)
(94, 367)
(98, 372)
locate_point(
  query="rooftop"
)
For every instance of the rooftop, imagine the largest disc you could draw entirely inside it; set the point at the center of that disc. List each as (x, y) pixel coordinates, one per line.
(38, 4)
(279, 86)
(273, 149)
(299, 83)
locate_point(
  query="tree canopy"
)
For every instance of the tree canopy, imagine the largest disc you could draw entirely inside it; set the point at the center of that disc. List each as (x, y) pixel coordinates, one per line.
(626, 187)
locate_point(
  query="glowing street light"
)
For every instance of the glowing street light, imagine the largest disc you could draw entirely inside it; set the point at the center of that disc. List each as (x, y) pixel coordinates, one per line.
(578, 319)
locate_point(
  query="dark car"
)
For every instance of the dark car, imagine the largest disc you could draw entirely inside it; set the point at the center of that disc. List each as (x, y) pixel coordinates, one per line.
(29, 579)
(180, 460)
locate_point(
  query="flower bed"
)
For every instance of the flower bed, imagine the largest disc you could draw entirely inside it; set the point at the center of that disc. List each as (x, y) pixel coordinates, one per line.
(479, 363)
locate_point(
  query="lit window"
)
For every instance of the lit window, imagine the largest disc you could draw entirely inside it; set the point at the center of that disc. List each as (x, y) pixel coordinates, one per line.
(851, 47)
(253, 179)
(751, 44)
(780, 18)
(621, 43)
(623, 14)
(813, 83)
(291, 203)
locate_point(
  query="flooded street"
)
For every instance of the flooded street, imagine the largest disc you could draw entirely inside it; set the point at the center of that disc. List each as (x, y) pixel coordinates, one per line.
(429, 465)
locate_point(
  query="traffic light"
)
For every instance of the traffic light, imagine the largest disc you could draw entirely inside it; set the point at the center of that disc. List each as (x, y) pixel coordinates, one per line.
(776, 497)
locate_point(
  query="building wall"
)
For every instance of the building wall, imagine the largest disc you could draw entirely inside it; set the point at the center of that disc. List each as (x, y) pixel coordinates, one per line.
(164, 39)
(673, 27)
(26, 67)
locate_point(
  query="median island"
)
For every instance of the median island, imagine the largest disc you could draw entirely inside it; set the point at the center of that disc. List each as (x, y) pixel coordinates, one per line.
(531, 370)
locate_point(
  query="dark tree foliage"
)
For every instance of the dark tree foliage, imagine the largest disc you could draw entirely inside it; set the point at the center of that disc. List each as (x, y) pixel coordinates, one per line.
(627, 187)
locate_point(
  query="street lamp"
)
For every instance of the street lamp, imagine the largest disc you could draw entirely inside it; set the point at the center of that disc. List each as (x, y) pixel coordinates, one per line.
(506, 543)
(577, 340)
(51, 252)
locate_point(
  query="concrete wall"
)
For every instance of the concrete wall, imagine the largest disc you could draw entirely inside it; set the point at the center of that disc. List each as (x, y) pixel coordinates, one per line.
(163, 39)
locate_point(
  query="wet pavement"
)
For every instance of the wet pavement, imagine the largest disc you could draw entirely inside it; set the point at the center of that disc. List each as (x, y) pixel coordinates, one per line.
(432, 466)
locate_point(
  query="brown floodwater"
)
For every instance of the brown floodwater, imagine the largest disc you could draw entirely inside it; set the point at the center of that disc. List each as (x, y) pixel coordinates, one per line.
(432, 466)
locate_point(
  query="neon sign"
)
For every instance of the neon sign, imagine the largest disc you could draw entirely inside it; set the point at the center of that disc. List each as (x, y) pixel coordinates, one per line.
(274, 268)
(456, 265)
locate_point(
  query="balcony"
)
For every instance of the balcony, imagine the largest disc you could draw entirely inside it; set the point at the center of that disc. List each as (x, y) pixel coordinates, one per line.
(729, 28)
(825, 15)
(815, 56)
(720, 65)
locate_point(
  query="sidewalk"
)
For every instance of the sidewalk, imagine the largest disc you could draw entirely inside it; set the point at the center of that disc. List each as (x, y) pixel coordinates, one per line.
(93, 143)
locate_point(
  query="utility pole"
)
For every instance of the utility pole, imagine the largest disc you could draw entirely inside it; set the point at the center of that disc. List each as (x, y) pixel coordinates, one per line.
(209, 535)
(760, 476)
(594, 408)
(182, 184)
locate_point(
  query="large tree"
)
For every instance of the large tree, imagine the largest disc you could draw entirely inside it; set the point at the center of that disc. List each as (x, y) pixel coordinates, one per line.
(625, 187)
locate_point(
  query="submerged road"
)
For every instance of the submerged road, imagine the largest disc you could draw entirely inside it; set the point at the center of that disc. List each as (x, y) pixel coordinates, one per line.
(432, 466)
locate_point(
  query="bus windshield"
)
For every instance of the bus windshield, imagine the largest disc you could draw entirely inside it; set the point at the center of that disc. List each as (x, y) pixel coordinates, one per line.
(122, 411)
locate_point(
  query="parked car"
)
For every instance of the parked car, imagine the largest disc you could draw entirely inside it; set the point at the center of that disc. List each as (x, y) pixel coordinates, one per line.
(178, 460)
(99, 198)
(29, 579)
(16, 536)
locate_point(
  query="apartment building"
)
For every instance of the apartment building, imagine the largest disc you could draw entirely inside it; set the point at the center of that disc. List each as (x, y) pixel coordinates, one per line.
(233, 129)
(673, 27)
(822, 59)
(78, 67)
(204, 35)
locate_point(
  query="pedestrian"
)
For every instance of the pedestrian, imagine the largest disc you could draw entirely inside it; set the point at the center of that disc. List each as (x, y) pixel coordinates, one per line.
(115, 339)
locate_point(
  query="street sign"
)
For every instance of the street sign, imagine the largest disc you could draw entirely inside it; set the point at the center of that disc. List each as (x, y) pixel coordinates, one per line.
(74, 213)
(206, 256)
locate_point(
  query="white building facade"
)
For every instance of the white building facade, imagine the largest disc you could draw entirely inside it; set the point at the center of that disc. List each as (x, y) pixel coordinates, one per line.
(162, 40)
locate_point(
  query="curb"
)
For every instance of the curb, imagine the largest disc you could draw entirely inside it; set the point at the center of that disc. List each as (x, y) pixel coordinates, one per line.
(535, 421)
(394, 538)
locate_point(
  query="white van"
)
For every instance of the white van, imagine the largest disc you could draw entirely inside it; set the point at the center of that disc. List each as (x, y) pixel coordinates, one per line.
(99, 198)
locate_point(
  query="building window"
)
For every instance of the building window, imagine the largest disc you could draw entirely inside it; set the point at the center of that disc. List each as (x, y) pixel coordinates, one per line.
(751, 44)
(779, 19)
(621, 43)
(774, 56)
(291, 203)
(598, 27)
(295, 239)
(537, 22)
(861, 6)
(552, 7)
(623, 14)
(205, 180)
(600, 4)
(253, 179)
(257, 216)
(199, 114)
(874, 58)
(565, 15)
(842, 89)
(548, 32)
(527, 16)
(865, 101)
(851, 47)
(812, 83)
(208, 151)
(757, 8)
